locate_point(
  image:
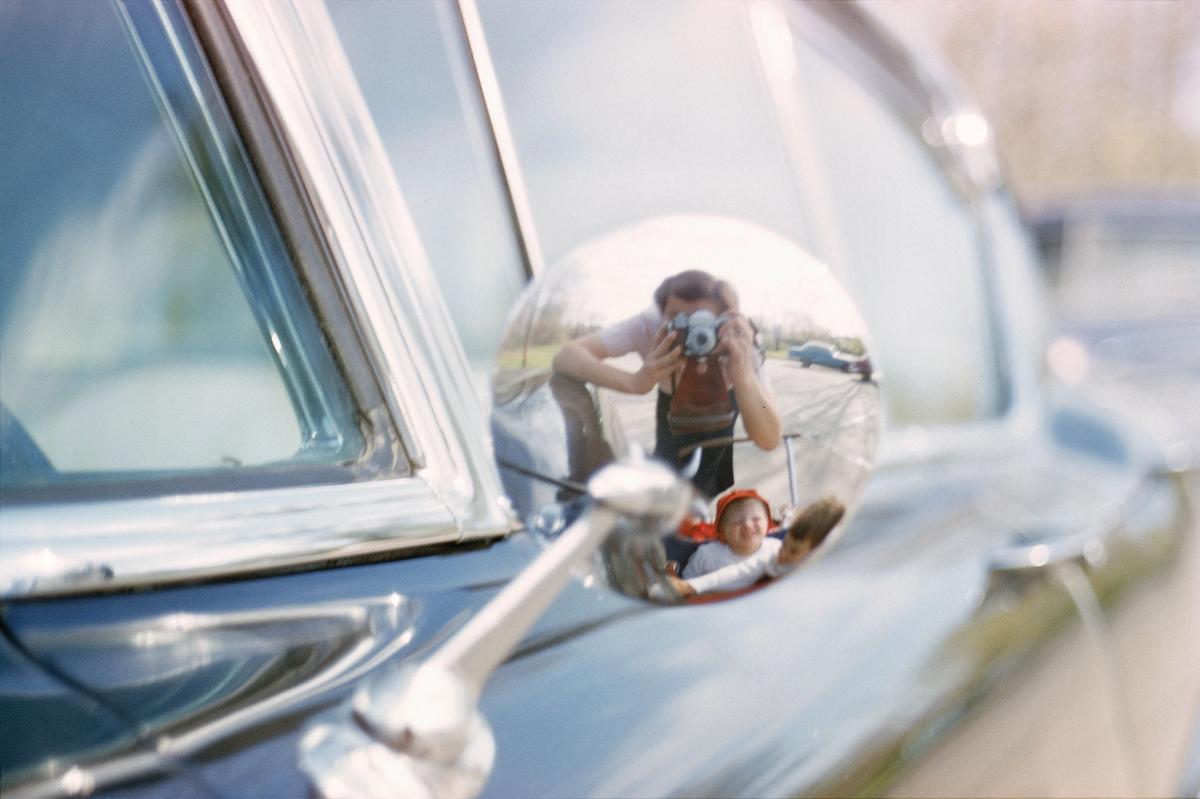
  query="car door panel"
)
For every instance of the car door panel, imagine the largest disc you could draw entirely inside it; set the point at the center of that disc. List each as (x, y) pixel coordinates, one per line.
(832, 658)
(831, 684)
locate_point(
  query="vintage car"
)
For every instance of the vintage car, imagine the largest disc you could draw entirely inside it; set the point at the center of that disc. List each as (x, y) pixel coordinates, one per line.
(294, 504)
(825, 355)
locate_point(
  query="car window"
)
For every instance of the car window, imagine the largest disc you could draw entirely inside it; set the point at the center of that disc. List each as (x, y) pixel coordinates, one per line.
(1138, 266)
(411, 64)
(621, 111)
(151, 320)
(911, 245)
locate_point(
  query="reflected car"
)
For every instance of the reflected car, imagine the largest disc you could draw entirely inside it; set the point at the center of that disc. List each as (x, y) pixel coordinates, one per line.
(822, 355)
(259, 257)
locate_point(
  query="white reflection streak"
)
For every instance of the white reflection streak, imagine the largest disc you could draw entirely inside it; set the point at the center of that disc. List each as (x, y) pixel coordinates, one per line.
(967, 128)
(774, 39)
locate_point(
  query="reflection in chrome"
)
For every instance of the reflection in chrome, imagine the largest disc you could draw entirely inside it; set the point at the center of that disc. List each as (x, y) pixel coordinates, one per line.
(547, 424)
(272, 661)
(417, 731)
(1071, 575)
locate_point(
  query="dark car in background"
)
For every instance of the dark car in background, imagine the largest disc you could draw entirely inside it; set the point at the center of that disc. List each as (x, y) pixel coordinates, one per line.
(258, 257)
(823, 355)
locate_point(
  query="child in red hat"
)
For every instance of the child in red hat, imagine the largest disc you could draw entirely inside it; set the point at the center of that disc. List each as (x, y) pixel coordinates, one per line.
(744, 554)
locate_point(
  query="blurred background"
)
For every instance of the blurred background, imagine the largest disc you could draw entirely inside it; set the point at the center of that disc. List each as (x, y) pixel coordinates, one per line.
(1095, 106)
(1086, 96)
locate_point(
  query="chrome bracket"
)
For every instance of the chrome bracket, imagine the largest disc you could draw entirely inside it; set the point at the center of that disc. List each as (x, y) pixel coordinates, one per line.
(416, 731)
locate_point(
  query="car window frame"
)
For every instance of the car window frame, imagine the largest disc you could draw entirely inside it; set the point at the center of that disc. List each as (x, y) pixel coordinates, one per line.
(239, 185)
(429, 480)
(917, 94)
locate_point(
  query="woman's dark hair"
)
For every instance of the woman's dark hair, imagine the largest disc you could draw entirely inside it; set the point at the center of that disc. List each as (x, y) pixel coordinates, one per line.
(695, 284)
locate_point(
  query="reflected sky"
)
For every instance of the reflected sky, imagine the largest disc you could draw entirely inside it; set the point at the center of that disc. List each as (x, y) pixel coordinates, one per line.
(625, 110)
(774, 278)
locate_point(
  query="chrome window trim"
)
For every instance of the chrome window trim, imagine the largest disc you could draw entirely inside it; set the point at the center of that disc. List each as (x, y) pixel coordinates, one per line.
(390, 287)
(393, 301)
(506, 148)
(89, 546)
(298, 219)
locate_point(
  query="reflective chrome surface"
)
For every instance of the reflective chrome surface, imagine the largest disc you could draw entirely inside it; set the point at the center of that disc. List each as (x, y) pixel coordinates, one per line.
(417, 731)
(113, 545)
(190, 679)
(560, 428)
(514, 179)
(402, 317)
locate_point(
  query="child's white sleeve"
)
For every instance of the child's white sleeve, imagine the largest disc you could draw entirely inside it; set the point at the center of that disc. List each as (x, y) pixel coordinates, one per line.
(733, 576)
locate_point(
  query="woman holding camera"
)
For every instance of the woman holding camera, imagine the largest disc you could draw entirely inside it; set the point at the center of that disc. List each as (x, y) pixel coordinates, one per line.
(706, 367)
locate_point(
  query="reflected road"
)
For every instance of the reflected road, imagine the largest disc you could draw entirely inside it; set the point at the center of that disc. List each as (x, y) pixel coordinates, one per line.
(823, 414)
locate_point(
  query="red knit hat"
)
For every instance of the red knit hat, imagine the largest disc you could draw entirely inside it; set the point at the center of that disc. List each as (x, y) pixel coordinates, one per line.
(740, 493)
(696, 530)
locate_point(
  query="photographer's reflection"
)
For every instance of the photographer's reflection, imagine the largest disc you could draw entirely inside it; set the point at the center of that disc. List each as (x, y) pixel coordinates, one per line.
(699, 350)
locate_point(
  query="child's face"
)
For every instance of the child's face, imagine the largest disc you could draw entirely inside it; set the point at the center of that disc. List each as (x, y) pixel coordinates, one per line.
(744, 526)
(793, 551)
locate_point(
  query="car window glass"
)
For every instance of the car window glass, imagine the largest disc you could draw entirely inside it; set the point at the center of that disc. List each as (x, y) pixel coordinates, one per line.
(411, 64)
(1129, 268)
(151, 321)
(912, 249)
(622, 111)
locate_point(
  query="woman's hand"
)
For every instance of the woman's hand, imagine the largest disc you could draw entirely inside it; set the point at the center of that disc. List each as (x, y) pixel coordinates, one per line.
(736, 344)
(659, 364)
(740, 363)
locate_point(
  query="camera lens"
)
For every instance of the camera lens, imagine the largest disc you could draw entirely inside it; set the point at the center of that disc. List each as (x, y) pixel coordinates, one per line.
(700, 340)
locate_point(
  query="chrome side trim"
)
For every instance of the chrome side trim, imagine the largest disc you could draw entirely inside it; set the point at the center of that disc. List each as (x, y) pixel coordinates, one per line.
(506, 149)
(370, 631)
(112, 545)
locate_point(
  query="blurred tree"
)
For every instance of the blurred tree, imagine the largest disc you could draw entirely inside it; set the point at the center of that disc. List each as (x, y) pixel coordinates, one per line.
(1085, 95)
